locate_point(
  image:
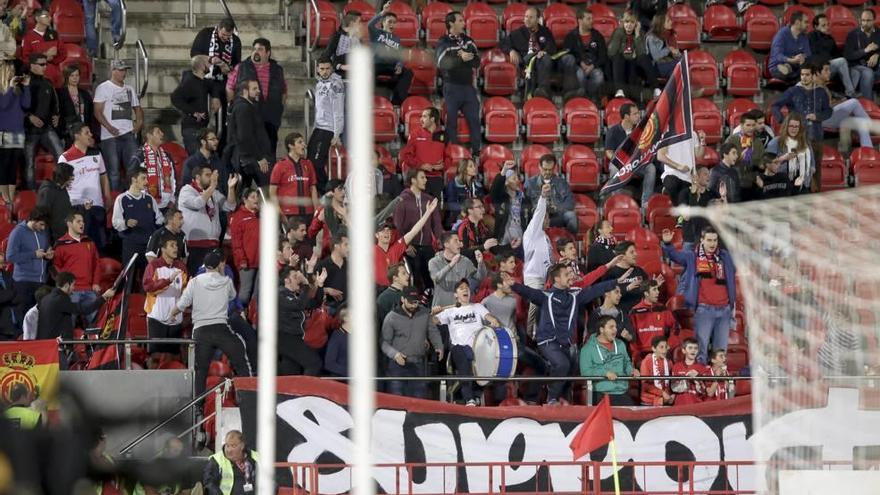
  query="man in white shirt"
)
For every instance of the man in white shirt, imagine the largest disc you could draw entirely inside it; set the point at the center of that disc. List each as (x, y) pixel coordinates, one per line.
(90, 188)
(118, 110)
(201, 203)
(538, 252)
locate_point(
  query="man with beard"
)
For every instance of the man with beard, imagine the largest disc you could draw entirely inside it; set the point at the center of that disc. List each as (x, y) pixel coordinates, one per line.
(206, 155)
(249, 150)
(329, 119)
(201, 203)
(223, 48)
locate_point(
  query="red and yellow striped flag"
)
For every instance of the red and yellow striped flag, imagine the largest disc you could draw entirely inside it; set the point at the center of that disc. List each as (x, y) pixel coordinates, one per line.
(34, 363)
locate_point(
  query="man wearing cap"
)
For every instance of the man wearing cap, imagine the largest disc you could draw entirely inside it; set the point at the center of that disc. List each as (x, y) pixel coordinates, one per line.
(385, 253)
(119, 112)
(209, 294)
(406, 331)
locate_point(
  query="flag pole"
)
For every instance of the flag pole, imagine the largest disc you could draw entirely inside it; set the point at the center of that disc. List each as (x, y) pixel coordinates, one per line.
(614, 467)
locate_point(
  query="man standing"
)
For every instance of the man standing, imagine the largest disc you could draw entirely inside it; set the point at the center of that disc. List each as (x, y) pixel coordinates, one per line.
(449, 267)
(473, 232)
(233, 471)
(296, 297)
(244, 225)
(724, 179)
(531, 48)
(294, 180)
(632, 275)
(807, 99)
(388, 55)
(605, 355)
(348, 35)
(55, 198)
(136, 216)
(862, 51)
(209, 295)
(77, 254)
(161, 183)
(584, 64)
(616, 135)
(118, 110)
(385, 254)
(413, 204)
(750, 155)
(57, 309)
(398, 277)
(173, 229)
(406, 331)
(201, 204)
(90, 188)
(560, 201)
(789, 49)
(206, 155)
(457, 60)
(329, 119)
(649, 320)
(249, 150)
(336, 266)
(164, 280)
(709, 287)
(261, 67)
(42, 119)
(425, 150)
(223, 48)
(29, 249)
(191, 97)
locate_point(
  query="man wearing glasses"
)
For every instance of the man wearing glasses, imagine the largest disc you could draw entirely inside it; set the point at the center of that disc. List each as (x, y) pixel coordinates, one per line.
(42, 119)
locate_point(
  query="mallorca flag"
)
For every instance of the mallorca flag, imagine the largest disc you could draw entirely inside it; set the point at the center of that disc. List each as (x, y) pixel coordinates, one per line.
(33, 363)
(111, 322)
(667, 122)
(596, 431)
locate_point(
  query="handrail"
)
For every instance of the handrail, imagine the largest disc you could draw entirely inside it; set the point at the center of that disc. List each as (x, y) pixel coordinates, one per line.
(284, 10)
(309, 45)
(190, 343)
(454, 378)
(227, 12)
(142, 53)
(191, 14)
(308, 99)
(143, 436)
(121, 41)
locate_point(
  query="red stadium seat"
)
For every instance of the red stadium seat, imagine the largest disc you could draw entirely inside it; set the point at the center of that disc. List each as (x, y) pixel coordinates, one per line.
(649, 254)
(45, 165)
(833, 170)
(366, 10)
(773, 2)
(737, 107)
(560, 19)
(456, 153)
(587, 213)
(407, 23)
(385, 159)
(840, 22)
(686, 25)
(761, 25)
(813, 3)
(325, 25)
(492, 157)
(720, 24)
(421, 63)
(704, 71)
(707, 118)
(384, 120)
(582, 121)
(499, 75)
(623, 213)
(658, 209)
(178, 155)
(69, 21)
(581, 168)
(604, 19)
(501, 120)
(77, 55)
(434, 21)
(866, 166)
(464, 133)
(109, 269)
(530, 158)
(710, 157)
(411, 112)
(137, 317)
(481, 24)
(808, 13)
(541, 121)
(513, 16)
(23, 203)
(873, 111)
(612, 110)
(876, 10)
(741, 73)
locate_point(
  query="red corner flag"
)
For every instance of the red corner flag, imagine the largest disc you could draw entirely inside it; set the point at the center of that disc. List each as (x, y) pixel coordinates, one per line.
(596, 431)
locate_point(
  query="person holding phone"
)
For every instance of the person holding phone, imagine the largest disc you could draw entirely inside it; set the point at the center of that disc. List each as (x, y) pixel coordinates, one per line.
(15, 99)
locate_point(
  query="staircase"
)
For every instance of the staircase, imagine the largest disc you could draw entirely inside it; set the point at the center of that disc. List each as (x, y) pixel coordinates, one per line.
(162, 26)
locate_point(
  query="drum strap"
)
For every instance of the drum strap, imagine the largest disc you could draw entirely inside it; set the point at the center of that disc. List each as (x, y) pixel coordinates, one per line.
(553, 318)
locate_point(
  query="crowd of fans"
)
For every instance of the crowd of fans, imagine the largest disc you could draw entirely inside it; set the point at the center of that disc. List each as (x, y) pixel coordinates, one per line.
(453, 254)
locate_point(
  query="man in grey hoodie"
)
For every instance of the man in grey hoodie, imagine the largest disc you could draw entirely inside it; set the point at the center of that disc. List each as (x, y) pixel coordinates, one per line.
(405, 331)
(209, 295)
(448, 267)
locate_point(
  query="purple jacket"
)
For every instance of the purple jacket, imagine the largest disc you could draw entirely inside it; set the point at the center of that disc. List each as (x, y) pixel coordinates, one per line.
(408, 213)
(12, 110)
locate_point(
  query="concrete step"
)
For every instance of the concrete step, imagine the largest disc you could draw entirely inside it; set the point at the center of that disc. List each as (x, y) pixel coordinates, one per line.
(162, 52)
(236, 7)
(183, 37)
(249, 27)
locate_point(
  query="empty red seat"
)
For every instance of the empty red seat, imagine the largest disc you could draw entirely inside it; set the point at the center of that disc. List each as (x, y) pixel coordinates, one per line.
(612, 110)
(720, 23)
(581, 168)
(411, 112)
(481, 24)
(587, 213)
(23, 202)
(704, 71)
(710, 157)
(582, 121)
(658, 213)
(876, 10)
(421, 63)
(455, 153)
(707, 118)
(623, 213)
(737, 107)
(604, 19)
(492, 158)
(434, 21)
(686, 25)
(866, 166)
(178, 155)
(648, 248)
(560, 19)
(833, 169)
(407, 23)
(77, 56)
(499, 75)
(541, 120)
(45, 164)
(530, 158)
(366, 10)
(808, 13)
(326, 23)
(761, 25)
(513, 16)
(384, 120)
(501, 120)
(385, 159)
(741, 74)
(840, 22)
(69, 21)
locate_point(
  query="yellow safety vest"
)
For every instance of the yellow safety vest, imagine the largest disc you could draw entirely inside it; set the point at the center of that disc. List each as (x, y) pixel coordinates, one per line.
(22, 416)
(227, 475)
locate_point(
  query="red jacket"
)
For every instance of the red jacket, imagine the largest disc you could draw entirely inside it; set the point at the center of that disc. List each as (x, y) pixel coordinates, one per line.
(649, 321)
(79, 258)
(423, 147)
(652, 394)
(34, 42)
(245, 228)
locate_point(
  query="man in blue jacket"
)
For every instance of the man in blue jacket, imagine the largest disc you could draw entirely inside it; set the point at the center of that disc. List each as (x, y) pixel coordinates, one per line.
(29, 249)
(558, 316)
(789, 49)
(807, 98)
(457, 60)
(388, 59)
(709, 287)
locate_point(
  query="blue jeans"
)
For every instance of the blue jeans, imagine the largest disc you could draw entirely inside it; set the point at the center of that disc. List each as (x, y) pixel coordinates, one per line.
(845, 109)
(840, 67)
(89, 8)
(864, 77)
(84, 298)
(117, 152)
(712, 324)
(567, 219)
(562, 360)
(415, 389)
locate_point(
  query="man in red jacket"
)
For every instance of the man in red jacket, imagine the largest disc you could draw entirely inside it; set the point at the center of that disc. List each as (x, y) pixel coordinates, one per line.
(426, 150)
(650, 319)
(77, 254)
(43, 39)
(244, 225)
(386, 254)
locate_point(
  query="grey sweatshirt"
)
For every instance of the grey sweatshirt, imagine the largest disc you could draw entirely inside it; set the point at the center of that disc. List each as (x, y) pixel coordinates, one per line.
(209, 295)
(407, 335)
(446, 276)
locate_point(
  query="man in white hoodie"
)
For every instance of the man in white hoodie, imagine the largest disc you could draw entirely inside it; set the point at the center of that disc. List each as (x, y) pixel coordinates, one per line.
(209, 294)
(538, 252)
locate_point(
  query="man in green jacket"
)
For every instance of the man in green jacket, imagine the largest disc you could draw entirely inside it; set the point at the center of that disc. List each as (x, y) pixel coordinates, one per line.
(605, 355)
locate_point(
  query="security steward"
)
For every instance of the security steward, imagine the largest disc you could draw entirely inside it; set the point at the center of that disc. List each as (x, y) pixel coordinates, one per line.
(19, 412)
(232, 471)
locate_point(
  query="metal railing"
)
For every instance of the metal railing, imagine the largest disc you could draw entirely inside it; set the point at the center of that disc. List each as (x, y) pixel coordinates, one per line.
(142, 78)
(311, 6)
(308, 101)
(128, 343)
(121, 41)
(191, 13)
(284, 11)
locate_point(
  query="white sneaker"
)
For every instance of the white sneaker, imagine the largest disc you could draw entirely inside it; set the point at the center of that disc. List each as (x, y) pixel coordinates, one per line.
(619, 94)
(657, 92)
(471, 403)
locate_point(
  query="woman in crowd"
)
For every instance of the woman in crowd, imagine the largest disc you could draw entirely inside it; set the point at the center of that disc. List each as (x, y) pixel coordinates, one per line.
(629, 56)
(465, 185)
(15, 99)
(75, 103)
(794, 152)
(662, 45)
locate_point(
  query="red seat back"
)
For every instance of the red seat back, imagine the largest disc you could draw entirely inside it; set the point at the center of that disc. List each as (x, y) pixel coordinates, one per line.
(499, 75)
(560, 19)
(434, 21)
(513, 16)
(421, 63)
(604, 19)
(530, 158)
(582, 120)
(411, 112)
(326, 23)
(541, 120)
(704, 71)
(407, 23)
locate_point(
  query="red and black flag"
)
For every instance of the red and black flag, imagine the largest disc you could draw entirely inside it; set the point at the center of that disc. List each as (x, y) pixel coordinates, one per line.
(667, 122)
(112, 324)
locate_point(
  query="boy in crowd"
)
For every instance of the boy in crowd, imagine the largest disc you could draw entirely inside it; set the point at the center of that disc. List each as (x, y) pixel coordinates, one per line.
(657, 392)
(688, 391)
(605, 355)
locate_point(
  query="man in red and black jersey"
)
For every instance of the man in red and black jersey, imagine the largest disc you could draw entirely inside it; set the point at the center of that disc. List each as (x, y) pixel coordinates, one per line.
(293, 180)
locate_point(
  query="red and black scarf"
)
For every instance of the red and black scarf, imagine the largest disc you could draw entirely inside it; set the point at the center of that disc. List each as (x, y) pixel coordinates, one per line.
(709, 265)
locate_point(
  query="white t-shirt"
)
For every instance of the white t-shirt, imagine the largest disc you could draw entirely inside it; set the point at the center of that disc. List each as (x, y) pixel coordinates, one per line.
(30, 324)
(463, 322)
(87, 170)
(120, 102)
(683, 153)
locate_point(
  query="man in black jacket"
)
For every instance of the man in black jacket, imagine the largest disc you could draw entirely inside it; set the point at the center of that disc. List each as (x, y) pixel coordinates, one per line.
(584, 64)
(824, 48)
(342, 40)
(57, 310)
(457, 59)
(295, 357)
(223, 48)
(54, 197)
(531, 48)
(42, 119)
(248, 152)
(862, 51)
(10, 320)
(190, 97)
